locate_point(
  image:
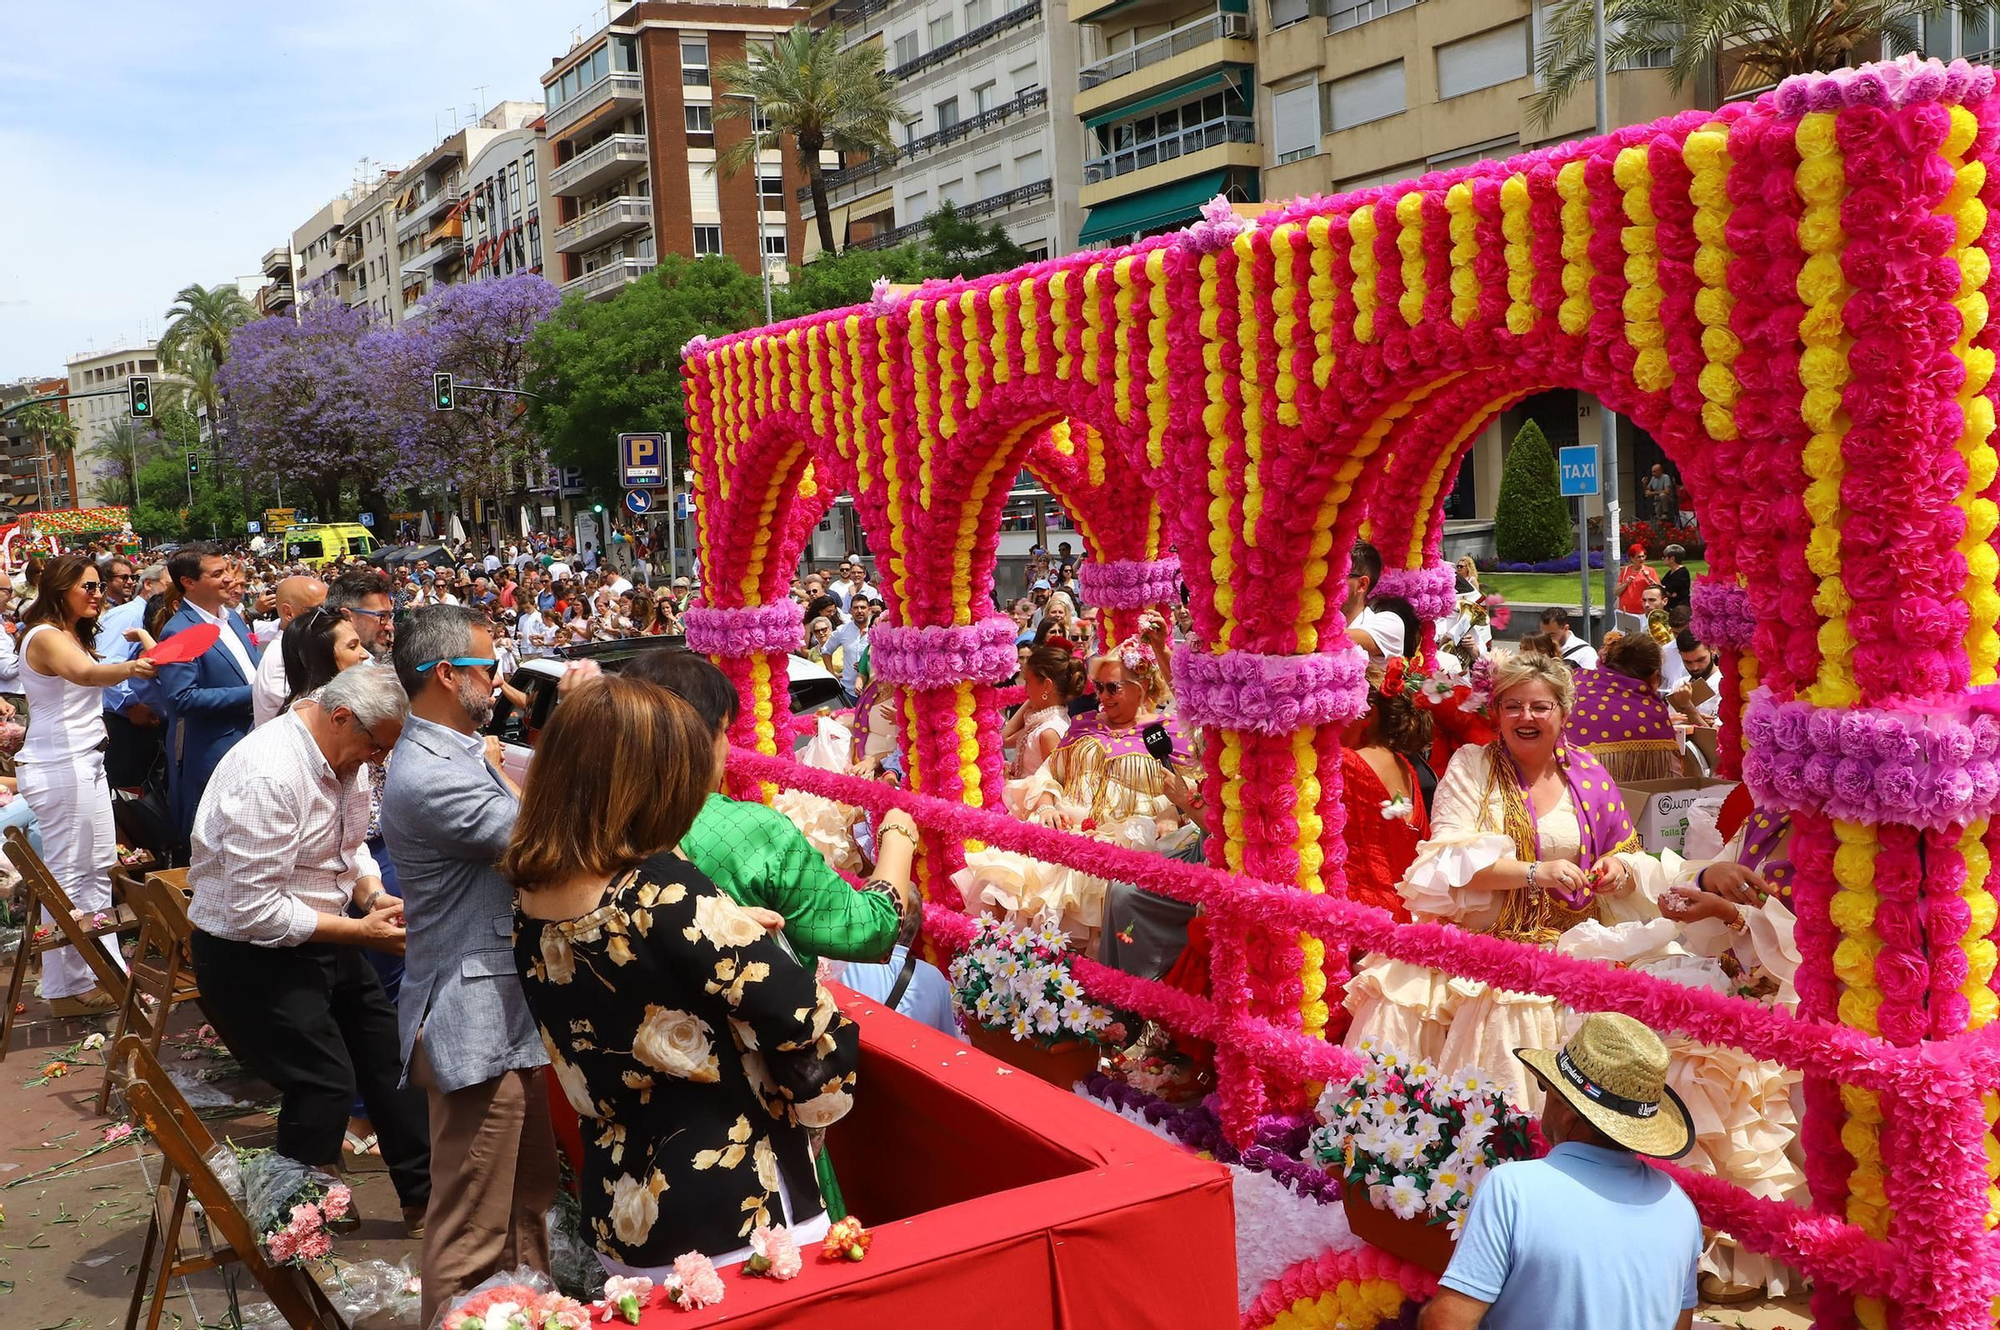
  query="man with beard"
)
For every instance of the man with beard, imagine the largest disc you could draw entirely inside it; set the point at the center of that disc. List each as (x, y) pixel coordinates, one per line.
(366, 598)
(468, 1040)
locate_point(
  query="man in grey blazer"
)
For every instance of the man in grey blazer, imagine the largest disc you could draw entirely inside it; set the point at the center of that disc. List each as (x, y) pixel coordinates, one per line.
(468, 1040)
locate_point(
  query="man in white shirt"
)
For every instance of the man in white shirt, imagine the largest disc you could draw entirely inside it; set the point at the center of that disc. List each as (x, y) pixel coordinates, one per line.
(268, 690)
(1573, 650)
(1376, 631)
(279, 871)
(1698, 658)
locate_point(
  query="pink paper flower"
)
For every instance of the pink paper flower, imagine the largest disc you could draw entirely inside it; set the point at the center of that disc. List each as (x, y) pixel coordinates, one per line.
(695, 1282)
(282, 1243)
(776, 1253)
(337, 1202)
(121, 1132)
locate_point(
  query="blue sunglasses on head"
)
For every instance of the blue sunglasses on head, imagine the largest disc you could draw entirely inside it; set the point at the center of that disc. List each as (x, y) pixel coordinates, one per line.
(462, 662)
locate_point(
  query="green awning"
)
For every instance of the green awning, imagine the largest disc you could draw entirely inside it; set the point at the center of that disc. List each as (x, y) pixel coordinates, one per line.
(1161, 206)
(1239, 77)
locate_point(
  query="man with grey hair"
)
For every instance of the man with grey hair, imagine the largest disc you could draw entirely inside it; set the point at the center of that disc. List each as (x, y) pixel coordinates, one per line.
(468, 1039)
(279, 855)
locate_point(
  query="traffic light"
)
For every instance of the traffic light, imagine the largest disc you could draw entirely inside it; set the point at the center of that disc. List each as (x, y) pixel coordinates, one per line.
(140, 389)
(194, 464)
(597, 507)
(441, 399)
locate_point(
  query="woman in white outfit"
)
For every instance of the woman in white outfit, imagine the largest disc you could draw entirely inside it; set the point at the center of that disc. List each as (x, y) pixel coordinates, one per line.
(61, 764)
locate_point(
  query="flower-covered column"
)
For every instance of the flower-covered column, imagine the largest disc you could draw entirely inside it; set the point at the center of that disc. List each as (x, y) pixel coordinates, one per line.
(1724, 621)
(751, 645)
(1125, 589)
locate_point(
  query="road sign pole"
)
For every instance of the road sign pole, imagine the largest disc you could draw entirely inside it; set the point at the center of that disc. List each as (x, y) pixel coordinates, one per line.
(1583, 570)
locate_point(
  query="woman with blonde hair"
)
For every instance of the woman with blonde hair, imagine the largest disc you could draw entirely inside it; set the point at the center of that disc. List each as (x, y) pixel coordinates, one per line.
(697, 1050)
(1528, 838)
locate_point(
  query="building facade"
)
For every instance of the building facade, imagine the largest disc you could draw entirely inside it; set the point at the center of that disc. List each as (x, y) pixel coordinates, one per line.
(634, 137)
(984, 86)
(97, 418)
(30, 479)
(430, 205)
(278, 294)
(372, 280)
(320, 254)
(1167, 97)
(502, 205)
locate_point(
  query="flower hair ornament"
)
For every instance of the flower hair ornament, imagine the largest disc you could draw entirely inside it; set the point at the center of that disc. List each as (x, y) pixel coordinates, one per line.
(1138, 659)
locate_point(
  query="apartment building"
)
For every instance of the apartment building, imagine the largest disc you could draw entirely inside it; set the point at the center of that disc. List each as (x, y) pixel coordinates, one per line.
(319, 254)
(28, 478)
(373, 276)
(985, 127)
(430, 205)
(503, 204)
(634, 136)
(97, 418)
(1167, 95)
(279, 293)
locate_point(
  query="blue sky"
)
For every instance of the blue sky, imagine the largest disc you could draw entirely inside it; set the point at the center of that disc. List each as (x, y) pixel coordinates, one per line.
(145, 145)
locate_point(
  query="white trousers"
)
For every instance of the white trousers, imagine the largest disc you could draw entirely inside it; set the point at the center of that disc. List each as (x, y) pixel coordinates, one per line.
(72, 804)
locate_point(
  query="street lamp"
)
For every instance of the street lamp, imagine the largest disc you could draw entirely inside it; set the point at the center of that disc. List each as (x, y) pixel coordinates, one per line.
(756, 163)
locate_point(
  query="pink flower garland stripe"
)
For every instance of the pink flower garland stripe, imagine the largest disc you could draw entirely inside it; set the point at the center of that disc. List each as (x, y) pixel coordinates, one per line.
(1921, 765)
(939, 657)
(746, 630)
(1270, 694)
(1961, 1065)
(1431, 590)
(1722, 614)
(1903, 82)
(1131, 584)
(1307, 1280)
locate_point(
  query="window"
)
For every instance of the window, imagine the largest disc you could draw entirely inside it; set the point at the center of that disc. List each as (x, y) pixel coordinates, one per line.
(703, 202)
(694, 63)
(774, 244)
(762, 119)
(535, 244)
(1369, 95)
(910, 128)
(982, 96)
(700, 122)
(940, 29)
(625, 54)
(947, 113)
(1028, 168)
(771, 190)
(1353, 13)
(1284, 13)
(986, 183)
(975, 14)
(917, 206)
(1024, 77)
(952, 192)
(1496, 56)
(707, 241)
(528, 171)
(1295, 121)
(906, 48)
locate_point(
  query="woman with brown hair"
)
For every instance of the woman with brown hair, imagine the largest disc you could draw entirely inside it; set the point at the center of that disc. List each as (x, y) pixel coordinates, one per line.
(61, 764)
(1620, 717)
(1053, 675)
(695, 1047)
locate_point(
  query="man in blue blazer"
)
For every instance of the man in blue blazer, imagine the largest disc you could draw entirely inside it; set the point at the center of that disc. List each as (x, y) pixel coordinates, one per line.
(208, 697)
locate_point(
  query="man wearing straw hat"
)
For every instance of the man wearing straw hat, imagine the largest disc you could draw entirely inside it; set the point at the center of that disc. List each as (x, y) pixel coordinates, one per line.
(1590, 1237)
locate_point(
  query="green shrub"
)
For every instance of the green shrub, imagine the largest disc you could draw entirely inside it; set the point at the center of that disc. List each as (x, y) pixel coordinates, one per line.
(1532, 522)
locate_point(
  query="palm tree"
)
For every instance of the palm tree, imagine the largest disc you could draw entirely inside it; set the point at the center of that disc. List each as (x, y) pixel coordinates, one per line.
(1766, 40)
(824, 97)
(57, 434)
(199, 327)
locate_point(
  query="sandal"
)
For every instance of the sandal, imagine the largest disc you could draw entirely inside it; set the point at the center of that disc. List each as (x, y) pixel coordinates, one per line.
(363, 1146)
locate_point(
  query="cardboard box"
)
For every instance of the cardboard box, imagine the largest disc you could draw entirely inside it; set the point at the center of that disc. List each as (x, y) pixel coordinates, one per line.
(1659, 809)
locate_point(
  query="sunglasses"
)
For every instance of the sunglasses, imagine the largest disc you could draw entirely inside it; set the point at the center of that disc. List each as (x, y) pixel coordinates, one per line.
(1108, 687)
(460, 662)
(92, 587)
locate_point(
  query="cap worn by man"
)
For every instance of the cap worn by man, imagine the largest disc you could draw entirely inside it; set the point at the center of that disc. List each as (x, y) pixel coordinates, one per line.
(1590, 1237)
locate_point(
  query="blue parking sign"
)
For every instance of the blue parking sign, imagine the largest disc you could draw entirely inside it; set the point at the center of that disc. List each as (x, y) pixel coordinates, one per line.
(642, 460)
(1578, 468)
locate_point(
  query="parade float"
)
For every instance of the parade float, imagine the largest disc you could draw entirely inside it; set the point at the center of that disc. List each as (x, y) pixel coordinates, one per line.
(46, 533)
(1790, 294)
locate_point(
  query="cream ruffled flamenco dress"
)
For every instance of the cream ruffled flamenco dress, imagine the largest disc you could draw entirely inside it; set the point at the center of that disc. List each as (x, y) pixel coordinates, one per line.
(1746, 1125)
(829, 826)
(1463, 1023)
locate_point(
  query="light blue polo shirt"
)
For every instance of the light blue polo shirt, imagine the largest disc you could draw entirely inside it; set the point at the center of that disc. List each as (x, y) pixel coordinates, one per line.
(1585, 1239)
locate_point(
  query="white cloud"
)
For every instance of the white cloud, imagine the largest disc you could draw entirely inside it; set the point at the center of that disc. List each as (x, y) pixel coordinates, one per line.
(148, 146)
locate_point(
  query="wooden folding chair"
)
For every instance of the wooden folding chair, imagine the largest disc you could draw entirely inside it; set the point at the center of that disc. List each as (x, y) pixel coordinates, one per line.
(185, 1175)
(46, 896)
(162, 968)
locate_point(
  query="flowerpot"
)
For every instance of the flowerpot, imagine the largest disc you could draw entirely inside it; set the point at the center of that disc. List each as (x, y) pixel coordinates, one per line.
(1061, 1065)
(1414, 1240)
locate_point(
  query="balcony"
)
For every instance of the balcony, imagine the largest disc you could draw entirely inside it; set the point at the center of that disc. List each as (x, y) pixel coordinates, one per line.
(423, 213)
(278, 260)
(443, 250)
(350, 249)
(1013, 18)
(850, 13)
(616, 218)
(1185, 143)
(618, 88)
(608, 278)
(276, 297)
(1214, 28)
(608, 160)
(999, 203)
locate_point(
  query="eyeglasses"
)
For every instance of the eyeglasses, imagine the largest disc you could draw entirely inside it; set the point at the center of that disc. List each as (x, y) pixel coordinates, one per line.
(91, 587)
(460, 662)
(373, 614)
(1108, 687)
(378, 749)
(1536, 710)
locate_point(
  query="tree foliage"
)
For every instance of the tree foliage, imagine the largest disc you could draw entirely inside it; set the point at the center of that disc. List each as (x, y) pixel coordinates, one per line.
(816, 90)
(611, 367)
(1764, 40)
(1532, 522)
(959, 246)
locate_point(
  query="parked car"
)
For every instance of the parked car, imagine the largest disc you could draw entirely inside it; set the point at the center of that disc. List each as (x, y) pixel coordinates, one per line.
(812, 687)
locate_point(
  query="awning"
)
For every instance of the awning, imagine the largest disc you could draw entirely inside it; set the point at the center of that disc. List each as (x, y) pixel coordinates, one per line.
(1239, 77)
(1161, 206)
(838, 215)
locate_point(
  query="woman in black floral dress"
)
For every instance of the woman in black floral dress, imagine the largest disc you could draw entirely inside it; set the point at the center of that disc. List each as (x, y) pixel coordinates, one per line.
(694, 1047)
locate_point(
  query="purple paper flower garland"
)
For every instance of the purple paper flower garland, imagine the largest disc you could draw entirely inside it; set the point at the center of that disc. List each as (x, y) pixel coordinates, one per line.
(1722, 614)
(939, 657)
(1431, 590)
(1131, 584)
(742, 632)
(1269, 694)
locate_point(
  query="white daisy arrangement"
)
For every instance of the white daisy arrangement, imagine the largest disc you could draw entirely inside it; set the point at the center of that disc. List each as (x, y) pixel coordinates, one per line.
(1417, 1139)
(1018, 980)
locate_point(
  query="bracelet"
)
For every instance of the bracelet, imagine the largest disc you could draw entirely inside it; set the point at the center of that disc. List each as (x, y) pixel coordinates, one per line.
(899, 829)
(373, 896)
(1533, 864)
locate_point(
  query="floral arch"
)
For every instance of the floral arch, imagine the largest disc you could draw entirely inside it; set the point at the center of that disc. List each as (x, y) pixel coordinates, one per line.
(1790, 294)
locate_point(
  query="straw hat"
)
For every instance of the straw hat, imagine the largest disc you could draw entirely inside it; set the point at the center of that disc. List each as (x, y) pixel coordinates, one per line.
(1613, 1072)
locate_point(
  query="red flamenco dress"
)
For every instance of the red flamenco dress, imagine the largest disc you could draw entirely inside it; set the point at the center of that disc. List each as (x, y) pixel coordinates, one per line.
(1380, 848)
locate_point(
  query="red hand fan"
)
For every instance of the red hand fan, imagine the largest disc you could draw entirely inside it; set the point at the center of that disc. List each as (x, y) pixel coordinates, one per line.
(185, 645)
